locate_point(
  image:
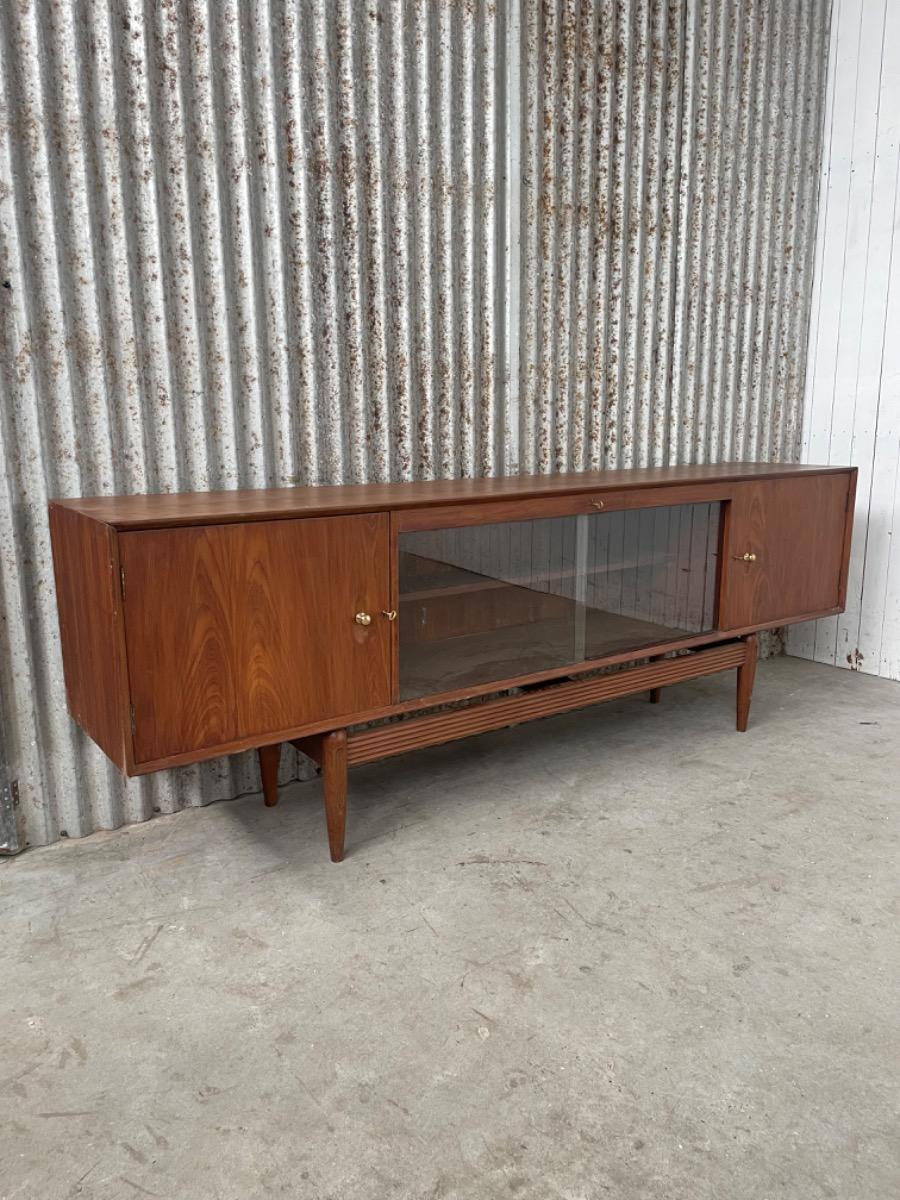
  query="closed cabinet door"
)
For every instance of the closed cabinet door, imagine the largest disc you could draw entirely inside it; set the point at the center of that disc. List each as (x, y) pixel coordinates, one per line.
(784, 550)
(240, 631)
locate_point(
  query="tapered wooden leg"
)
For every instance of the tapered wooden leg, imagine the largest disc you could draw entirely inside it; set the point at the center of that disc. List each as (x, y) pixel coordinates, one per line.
(656, 693)
(334, 785)
(745, 677)
(269, 758)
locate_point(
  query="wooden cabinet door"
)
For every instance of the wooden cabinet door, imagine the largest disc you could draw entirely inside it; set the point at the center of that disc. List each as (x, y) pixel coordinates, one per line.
(238, 631)
(798, 531)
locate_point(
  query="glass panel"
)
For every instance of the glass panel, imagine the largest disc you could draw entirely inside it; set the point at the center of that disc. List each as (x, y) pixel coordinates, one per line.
(487, 602)
(650, 576)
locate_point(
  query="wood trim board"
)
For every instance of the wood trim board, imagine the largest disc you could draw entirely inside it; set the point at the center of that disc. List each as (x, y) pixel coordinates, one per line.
(384, 741)
(207, 508)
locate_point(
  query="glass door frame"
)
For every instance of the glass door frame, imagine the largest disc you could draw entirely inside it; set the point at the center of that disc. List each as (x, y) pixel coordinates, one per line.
(582, 503)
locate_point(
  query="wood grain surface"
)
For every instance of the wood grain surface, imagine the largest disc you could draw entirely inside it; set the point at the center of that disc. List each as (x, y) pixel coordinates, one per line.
(745, 677)
(241, 635)
(88, 593)
(795, 527)
(236, 631)
(384, 741)
(195, 508)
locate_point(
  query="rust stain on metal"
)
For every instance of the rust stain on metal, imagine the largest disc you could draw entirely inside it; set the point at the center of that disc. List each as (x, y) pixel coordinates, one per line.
(268, 244)
(666, 288)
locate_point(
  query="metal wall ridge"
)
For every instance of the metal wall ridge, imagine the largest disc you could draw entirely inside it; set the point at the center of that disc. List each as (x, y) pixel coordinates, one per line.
(307, 241)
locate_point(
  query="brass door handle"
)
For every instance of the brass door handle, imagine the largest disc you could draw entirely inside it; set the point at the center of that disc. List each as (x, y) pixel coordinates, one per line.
(390, 613)
(597, 503)
(363, 619)
(748, 557)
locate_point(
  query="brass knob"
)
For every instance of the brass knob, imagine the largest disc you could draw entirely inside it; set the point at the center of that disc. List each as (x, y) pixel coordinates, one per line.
(363, 619)
(390, 613)
(597, 503)
(748, 557)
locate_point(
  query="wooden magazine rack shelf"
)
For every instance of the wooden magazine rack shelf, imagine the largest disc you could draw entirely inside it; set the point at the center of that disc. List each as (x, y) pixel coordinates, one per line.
(205, 624)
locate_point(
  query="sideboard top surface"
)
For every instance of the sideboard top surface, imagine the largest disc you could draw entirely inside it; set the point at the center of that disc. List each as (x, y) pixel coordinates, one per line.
(209, 508)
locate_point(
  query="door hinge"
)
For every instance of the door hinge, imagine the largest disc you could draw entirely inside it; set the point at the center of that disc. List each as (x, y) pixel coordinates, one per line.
(133, 724)
(122, 580)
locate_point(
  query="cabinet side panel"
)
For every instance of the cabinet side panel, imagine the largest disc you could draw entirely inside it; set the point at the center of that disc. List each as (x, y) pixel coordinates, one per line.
(88, 603)
(850, 509)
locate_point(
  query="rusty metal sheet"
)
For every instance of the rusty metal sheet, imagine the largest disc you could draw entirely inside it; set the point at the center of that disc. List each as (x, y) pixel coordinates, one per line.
(305, 241)
(670, 155)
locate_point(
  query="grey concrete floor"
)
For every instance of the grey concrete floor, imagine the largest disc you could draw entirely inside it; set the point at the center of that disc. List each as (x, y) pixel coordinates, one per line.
(621, 953)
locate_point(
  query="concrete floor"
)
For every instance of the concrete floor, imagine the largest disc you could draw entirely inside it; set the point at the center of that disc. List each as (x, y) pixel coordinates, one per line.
(625, 952)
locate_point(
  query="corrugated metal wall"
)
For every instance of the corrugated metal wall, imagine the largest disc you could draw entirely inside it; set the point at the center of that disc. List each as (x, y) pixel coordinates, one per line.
(852, 410)
(249, 243)
(670, 155)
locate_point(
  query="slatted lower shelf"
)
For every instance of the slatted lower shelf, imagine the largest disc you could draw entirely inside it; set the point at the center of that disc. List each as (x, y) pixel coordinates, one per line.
(399, 737)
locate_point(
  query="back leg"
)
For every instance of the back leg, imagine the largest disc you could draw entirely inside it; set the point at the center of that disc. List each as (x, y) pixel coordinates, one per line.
(269, 758)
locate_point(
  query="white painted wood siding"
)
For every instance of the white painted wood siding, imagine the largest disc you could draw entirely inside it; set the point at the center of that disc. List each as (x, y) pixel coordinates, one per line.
(852, 402)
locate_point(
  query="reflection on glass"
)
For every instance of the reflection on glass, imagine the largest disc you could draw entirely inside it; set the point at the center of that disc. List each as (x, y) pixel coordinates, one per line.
(489, 602)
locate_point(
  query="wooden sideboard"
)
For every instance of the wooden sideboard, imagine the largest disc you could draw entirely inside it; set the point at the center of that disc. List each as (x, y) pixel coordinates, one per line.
(204, 624)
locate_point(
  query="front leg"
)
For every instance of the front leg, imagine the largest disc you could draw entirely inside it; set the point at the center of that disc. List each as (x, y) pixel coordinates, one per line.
(334, 785)
(329, 751)
(745, 676)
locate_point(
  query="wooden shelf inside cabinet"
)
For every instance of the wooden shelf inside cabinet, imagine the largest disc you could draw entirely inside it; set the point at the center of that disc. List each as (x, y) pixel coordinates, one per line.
(480, 657)
(201, 625)
(458, 580)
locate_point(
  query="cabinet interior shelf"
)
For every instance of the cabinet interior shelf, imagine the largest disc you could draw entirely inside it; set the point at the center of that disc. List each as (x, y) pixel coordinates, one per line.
(472, 658)
(454, 580)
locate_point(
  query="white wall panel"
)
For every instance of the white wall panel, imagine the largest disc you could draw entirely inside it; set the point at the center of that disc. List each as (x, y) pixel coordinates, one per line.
(852, 402)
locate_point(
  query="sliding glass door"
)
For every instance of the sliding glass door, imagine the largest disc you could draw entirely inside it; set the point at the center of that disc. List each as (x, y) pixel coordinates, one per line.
(489, 602)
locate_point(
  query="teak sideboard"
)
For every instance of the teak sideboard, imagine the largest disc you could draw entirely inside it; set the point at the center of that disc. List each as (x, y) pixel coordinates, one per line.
(204, 624)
